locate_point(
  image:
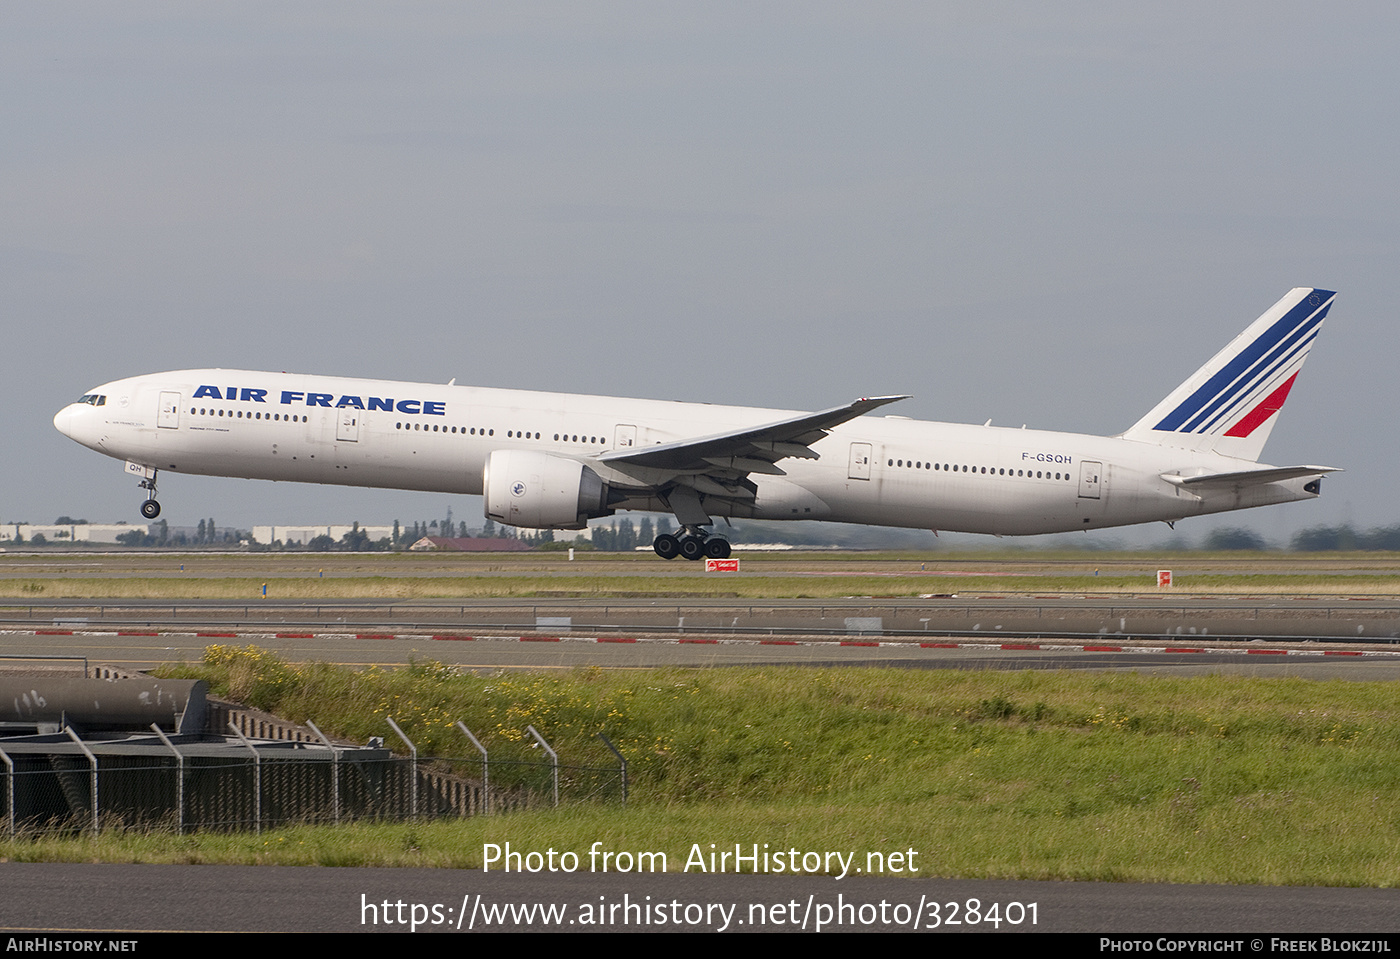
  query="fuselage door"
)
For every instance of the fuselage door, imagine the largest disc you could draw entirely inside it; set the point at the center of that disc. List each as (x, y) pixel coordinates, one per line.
(1090, 474)
(347, 425)
(169, 416)
(626, 437)
(860, 461)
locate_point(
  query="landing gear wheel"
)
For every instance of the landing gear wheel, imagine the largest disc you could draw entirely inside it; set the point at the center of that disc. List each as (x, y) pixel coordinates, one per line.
(692, 548)
(149, 509)
(667, 546)
(717, 548)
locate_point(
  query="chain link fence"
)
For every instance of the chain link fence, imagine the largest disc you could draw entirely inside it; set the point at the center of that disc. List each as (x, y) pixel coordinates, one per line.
(66, 786)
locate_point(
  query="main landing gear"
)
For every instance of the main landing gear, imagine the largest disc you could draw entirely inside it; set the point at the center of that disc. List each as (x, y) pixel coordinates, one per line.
(693, 543)
(150, 509)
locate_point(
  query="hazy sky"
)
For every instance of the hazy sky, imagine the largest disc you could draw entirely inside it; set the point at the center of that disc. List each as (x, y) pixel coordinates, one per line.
(1038, 213)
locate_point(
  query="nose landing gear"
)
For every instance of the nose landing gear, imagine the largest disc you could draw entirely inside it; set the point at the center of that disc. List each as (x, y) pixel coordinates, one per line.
(693, 543)
(150, 509)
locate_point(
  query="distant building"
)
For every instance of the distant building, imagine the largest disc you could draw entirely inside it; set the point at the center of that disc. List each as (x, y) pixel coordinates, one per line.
(68, 533)
(561, 535)
(289, 535)
(454, 544)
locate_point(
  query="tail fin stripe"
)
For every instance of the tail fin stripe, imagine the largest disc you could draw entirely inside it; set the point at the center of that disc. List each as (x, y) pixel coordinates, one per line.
(1230, 378)
(1260, 382)
(1288, 324)
(1271, 405)
(1256, 374)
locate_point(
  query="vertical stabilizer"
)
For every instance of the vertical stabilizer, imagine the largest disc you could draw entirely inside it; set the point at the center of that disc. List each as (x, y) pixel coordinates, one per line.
(1229, 405)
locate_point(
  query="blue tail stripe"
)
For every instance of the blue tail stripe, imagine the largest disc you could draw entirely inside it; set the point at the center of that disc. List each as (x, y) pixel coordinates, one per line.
(1260, 371)
(1208, 391)
(1230, 379)
(1296, 354)
(1257, 373)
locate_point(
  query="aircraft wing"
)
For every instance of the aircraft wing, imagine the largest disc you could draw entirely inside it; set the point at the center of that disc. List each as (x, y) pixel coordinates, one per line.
(1248, 477)
(718, 465)
(753, 449)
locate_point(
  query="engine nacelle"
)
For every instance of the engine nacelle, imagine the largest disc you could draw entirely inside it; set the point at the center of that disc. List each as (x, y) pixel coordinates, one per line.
(542, 491)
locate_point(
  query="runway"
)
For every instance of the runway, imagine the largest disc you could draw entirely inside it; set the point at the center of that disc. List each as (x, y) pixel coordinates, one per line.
(132, 900)
(561, 646)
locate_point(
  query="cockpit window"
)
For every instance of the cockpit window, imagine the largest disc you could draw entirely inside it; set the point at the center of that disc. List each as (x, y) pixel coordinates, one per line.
(93, 399)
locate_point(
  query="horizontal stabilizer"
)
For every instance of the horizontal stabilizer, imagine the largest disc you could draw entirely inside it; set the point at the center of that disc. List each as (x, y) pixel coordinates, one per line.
(1245, 478)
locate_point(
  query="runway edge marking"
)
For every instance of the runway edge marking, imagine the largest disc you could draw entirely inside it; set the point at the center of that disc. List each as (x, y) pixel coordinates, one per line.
(682, 640)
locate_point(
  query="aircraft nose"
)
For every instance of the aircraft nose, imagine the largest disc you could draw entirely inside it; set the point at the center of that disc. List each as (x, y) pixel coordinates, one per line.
(64, 420)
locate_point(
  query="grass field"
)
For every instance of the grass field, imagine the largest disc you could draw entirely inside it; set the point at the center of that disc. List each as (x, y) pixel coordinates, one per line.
(983, 774)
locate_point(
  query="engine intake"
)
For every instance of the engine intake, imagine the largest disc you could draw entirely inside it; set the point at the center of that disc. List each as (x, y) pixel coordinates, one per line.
(542, 490)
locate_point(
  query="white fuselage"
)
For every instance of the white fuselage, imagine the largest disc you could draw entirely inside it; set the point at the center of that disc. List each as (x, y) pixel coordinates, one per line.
(878, 470)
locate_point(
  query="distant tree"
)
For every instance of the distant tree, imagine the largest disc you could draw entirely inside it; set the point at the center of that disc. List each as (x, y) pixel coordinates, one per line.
(1235, 538)
(1316, 539)
(356, 540)
(321, 544)
(135, 537)
(38, 539)
(488, 531)
(1382, 537)
(1319, 538)
(69, 521)
(199, 532)
(397, 534)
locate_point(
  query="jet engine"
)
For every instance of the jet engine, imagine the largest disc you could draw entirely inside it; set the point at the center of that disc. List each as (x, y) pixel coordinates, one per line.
(542, 490)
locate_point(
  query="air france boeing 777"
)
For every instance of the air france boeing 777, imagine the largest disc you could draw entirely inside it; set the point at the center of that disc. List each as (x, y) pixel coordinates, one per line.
(555, 460)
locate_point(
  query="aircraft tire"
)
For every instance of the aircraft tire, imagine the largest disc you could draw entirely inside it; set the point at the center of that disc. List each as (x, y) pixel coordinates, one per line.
(150, 509)
(692, 548)
(667, 546)
(717, 548)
